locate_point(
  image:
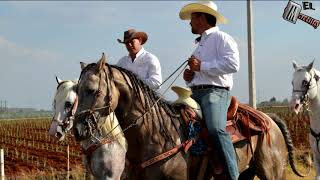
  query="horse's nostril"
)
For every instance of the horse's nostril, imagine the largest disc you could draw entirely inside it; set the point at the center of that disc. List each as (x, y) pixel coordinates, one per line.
(296, 106)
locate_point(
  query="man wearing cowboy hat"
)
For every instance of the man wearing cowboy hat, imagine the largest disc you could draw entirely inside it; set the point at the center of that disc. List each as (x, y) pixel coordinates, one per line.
(210, 75)
(139, 61)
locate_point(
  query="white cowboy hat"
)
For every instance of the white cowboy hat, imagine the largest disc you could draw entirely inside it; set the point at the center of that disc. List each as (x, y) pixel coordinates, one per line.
(208, 7)
(184, 98)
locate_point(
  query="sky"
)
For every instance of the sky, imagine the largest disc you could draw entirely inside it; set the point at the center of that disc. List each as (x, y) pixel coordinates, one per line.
(42, 39)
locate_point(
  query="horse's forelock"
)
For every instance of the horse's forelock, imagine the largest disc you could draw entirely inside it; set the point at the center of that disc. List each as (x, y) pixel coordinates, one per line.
(93, 67)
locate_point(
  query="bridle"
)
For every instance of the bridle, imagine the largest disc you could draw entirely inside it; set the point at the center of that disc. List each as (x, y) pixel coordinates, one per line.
(93, 114)
(304, 99)
(68, 120)
(90, 114)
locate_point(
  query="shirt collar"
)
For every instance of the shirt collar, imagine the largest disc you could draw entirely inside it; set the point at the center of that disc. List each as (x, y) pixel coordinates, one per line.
(206, 33)
(209, 31)
(140, 52)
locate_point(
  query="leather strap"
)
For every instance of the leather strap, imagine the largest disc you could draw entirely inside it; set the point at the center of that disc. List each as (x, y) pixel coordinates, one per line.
(184, 146)
(89, 151)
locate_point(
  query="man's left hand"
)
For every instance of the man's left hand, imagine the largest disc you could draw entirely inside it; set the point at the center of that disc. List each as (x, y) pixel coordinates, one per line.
(194, 63)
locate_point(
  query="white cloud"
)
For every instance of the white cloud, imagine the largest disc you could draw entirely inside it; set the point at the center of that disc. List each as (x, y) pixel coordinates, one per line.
(10, 49)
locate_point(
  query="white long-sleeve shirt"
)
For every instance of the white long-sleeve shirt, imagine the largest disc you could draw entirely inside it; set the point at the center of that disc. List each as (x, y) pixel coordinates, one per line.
(146, 66)
(219, 56)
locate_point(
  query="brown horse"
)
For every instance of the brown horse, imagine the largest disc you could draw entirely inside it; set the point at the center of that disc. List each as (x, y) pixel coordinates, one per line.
(152, 126)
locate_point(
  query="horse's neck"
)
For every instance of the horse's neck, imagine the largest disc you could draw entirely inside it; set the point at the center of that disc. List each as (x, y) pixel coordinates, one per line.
(315, 110)
(151, 128)
(155, 130)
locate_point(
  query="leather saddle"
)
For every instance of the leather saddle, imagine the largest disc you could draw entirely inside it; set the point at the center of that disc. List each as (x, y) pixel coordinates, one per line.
(243, 121)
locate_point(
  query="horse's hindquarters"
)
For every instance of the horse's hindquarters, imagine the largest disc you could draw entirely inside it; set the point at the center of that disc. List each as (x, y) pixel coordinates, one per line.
(245, 153)
(271, 154)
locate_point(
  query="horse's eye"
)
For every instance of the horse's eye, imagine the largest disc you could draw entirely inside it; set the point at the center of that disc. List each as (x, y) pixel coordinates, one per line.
(90, 91)
(68, 104)
(304, 83)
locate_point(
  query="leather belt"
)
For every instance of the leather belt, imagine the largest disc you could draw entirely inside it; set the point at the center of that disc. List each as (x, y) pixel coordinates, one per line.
(199, 87)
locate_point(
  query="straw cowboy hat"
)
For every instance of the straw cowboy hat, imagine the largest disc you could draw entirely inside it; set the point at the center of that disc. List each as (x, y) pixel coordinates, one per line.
(184, 98)
(132, 34)
(208, 7)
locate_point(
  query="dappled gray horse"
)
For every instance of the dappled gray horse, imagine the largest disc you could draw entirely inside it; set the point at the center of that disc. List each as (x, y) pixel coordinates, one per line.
(103, 158)
(153, 127)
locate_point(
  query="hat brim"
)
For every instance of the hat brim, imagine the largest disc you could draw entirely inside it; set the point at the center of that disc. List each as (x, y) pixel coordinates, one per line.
(182, 91)
(141, 35)
(187, 10)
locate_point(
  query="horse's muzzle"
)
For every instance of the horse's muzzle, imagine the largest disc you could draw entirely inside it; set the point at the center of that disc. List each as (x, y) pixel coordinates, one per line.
(295, 105)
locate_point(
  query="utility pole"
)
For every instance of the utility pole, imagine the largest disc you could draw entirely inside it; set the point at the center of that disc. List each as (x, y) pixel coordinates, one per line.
(251, 64)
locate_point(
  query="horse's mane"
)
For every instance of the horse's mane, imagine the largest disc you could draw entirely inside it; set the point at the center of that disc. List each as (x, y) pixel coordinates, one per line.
(148, 93)
(158, 119)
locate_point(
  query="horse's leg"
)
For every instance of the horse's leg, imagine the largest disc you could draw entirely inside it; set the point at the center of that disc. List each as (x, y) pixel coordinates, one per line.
(271, 160)
(107, 162)
(316, 155)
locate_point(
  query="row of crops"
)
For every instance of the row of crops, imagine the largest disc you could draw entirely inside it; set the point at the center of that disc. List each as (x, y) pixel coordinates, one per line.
(28, 148)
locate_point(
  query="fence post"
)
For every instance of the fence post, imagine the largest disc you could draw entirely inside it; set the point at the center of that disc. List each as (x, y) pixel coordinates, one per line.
(2, 164)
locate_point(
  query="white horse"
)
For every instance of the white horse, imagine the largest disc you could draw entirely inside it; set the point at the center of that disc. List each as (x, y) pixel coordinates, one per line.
(104, 151)
(306, 92)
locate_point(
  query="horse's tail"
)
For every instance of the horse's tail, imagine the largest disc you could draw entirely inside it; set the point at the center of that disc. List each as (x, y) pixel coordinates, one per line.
(286, 134)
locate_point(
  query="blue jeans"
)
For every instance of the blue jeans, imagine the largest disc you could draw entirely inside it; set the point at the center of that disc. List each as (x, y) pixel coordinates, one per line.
(214, 103)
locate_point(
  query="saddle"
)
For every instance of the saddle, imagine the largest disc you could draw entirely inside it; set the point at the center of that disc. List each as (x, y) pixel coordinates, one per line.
(243, 121)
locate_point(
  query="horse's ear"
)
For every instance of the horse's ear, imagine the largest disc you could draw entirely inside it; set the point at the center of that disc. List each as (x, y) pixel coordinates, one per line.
(102, 62)
(58, 80)
(295, 65)
(310, 66)
(83, 65)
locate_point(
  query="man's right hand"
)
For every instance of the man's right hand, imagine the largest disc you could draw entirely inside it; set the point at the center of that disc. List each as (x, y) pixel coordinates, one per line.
(188, 75)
